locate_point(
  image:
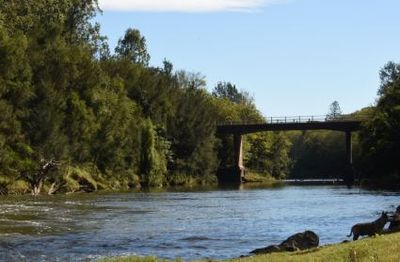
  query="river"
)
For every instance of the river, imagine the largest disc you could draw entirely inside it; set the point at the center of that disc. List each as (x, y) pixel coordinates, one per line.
(187, 224)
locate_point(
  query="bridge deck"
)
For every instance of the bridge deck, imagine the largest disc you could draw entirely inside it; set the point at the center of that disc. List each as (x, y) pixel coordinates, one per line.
(345, 126)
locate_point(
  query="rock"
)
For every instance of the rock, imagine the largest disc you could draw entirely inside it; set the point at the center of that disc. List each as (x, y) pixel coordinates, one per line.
(299, 241)
(395, 220)
(269, 249)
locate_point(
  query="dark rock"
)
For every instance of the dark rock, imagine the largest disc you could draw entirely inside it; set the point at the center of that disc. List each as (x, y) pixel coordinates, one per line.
(299, 241)
(395, 220)
(269, 249)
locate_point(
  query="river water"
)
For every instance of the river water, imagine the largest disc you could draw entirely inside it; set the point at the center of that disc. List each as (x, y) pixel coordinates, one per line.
(190, 225)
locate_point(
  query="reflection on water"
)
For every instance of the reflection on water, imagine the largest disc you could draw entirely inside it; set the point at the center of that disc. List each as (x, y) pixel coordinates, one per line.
(180, 223)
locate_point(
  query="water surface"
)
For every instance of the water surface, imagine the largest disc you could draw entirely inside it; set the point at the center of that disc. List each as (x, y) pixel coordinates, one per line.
(191, 225)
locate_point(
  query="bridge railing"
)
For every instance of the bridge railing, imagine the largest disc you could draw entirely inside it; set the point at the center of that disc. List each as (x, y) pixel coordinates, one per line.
(302, 119)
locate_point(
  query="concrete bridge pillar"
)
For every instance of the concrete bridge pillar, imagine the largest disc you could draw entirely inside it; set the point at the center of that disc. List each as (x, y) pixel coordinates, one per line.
(238, 144)
(233, 175)
(349, 173)
(349, 148)
(238, 167)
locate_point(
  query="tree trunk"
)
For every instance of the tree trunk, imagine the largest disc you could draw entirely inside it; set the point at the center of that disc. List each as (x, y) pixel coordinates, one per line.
(55, 187)
(37, 179)
(36, 188)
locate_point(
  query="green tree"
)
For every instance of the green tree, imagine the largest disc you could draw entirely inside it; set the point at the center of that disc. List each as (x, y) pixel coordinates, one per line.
(334, 110)
(259, 152)
(191, 132)
(380, 137)
(15, 92)
(388, 74)
(317, 154)
(153, 166)
(279, 156)
(228, 91)
(133, 47)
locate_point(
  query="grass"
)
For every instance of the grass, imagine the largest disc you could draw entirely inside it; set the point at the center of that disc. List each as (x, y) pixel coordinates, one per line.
(379, 248)
(256, 179)
(382, 248)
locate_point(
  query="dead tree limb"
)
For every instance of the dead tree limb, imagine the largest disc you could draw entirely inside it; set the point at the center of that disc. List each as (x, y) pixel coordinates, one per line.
(37, 178)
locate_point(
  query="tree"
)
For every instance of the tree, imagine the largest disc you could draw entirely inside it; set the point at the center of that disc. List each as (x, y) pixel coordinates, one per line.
(380, 136)
(191, 131)
(388, 74)
(36, 178)
(334, 111)
(257, 156)
(317, 154)
(279, 156)
(190, 80)
(16, 91)
(153, 166)
(133, 47)
(228, 91)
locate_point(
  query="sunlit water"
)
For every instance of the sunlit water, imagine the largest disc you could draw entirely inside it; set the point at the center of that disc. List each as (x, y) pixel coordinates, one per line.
(190, 225)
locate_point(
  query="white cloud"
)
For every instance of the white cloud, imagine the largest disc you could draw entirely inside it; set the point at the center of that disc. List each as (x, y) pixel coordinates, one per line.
(184, 5)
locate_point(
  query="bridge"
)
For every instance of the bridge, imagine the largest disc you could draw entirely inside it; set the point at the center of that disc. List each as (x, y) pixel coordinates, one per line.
(343, 123)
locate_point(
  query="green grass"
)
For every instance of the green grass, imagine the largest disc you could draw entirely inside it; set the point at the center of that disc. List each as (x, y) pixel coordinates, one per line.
(385, 248)
(378, 248)
(256, 179)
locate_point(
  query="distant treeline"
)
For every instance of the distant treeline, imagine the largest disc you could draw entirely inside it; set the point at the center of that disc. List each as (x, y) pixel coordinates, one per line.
(76, 116)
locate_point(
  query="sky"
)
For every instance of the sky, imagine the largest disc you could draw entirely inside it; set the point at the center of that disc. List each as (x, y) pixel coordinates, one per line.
(295, 57)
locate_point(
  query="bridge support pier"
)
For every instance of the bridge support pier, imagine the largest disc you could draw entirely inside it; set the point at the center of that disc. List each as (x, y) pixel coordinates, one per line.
(349, 173)
(238, 160)
(235, 174)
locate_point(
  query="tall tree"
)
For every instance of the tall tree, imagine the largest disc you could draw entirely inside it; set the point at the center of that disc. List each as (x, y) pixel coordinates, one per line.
(334, 110)
(380, 137)
(153, 166)
(228, 91)
(388, 74)
(133, 47)
(15, 93)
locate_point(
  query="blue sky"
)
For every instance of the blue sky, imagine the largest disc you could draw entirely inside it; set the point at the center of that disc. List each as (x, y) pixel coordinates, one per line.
(294, 56)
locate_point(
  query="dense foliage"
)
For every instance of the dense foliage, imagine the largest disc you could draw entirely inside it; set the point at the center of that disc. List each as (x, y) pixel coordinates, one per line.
(380, 137)
(103, 121)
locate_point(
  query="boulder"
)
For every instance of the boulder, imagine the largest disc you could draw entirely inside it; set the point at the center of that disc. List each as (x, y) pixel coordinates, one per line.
(299, 241)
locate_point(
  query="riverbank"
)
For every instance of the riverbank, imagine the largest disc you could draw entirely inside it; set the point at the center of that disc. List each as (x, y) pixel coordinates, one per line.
(379, 248)
(78, 180)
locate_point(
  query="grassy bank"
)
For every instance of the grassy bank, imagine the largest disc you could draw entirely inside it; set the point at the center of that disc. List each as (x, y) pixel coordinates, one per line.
(379, 248)
(260, 178)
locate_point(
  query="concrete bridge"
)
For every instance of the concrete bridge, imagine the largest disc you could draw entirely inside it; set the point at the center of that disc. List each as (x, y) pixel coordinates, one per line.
(343, 123)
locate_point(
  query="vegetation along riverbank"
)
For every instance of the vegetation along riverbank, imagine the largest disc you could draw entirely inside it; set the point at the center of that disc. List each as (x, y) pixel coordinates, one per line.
(78, 117)
(382, 248)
